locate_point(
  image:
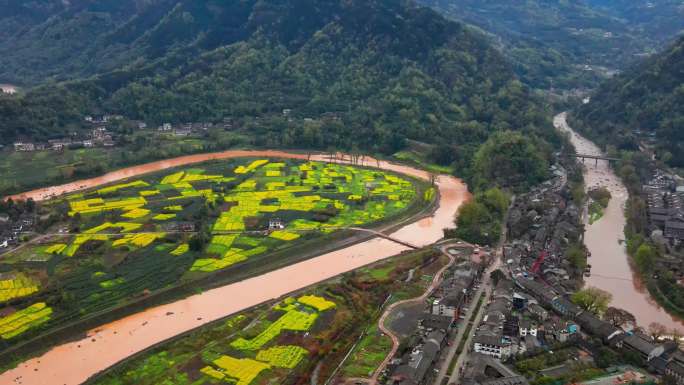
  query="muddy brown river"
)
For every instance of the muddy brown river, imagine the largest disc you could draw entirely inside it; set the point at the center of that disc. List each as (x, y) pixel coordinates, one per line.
(611, 270)
(74, 362)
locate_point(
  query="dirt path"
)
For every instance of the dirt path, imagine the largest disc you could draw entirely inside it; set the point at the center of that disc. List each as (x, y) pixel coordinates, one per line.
(381, 322)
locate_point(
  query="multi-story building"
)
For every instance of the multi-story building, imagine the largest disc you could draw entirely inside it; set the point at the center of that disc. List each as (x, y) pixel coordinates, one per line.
(495, 346)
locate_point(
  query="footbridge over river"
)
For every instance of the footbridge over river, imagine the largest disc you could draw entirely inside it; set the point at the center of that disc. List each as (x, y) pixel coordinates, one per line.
(385, 236)
(590, 156)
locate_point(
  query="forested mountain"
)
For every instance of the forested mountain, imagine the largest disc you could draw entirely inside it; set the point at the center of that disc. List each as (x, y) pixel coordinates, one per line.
(645, 101)
(655, 20)
(551, 42)
(390, 70)
(61, 40)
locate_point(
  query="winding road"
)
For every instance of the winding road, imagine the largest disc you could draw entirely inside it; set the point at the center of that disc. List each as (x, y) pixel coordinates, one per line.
(436, 281)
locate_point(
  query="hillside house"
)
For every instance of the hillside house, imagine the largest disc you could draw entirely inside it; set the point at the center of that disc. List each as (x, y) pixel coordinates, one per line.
(24, 147)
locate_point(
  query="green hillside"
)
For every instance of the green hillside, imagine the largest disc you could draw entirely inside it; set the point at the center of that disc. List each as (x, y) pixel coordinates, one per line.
(645, 104)
(570, 44)
(389, 70)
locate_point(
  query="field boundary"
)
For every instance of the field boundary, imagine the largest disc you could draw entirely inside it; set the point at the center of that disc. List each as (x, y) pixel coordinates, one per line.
(290, 255)
(93, 379)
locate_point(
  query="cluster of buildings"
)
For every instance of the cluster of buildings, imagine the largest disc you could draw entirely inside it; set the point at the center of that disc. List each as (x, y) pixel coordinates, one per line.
(663, 358)
(530, 310)
(417, 364)
(515, 323)
(541, 225)
(665, 207)
(97, 136)
(10, 229)
(186, 129)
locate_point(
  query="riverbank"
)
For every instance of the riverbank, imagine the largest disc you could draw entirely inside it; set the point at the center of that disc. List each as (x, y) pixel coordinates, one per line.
(273, 259)
(611, 269)
(75, 361)
(364, 292)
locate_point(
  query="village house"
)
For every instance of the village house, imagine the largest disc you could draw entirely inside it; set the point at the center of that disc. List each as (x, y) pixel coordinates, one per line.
(527, 327)
(642, 345)
(185, 227)
(59, 144)
(436, 322)
(449, 305)
(276, 224)
(182, 132)
(599, 328)
(227, 123)
(511, 325)
(674, 227)
(109, 118)
(539, 312)
(331, 116)
(675, 370)
(519, 301)
(495, 346)
(24, 147)
(415, 366)
(99, 133)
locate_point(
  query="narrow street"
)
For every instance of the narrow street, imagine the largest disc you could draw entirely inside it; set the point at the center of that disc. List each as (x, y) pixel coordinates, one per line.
(456, 373)
(486, 289)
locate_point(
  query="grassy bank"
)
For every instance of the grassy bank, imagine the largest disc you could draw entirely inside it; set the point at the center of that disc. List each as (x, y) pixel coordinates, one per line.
(23, 171)
(356, 295)
(413, 158)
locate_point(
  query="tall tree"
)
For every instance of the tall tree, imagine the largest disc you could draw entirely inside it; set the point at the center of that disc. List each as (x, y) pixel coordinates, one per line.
(619, 317)
(592, 299)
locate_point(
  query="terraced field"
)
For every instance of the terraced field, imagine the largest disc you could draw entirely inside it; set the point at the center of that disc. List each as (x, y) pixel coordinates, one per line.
(125, 241)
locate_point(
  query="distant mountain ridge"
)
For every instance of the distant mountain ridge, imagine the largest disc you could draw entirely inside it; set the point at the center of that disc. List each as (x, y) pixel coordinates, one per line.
(551, 41)
(389, 70)
(647, 99)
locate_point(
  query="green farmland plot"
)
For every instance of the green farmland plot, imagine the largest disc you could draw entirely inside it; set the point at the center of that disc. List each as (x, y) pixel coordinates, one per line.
(285, 342)
(134, 238)
(225, 353)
